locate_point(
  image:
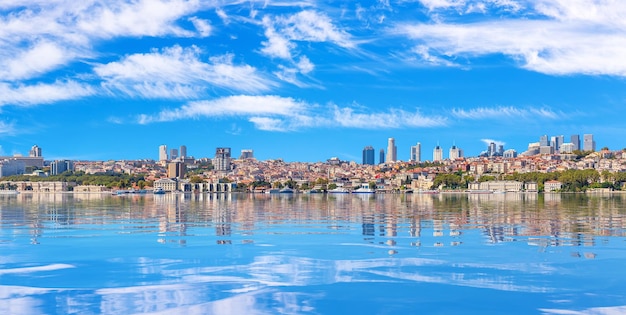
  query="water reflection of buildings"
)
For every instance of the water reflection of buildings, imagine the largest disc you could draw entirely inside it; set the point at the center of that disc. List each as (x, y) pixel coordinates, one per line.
(542, 219)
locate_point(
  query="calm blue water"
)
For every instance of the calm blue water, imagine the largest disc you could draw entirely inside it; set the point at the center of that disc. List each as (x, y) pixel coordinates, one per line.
(313, 254)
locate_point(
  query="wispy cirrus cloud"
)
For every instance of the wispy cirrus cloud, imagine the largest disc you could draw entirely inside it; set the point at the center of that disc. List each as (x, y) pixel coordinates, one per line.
(505, 111)
(178, 72)
(591, 35)
(275, 113)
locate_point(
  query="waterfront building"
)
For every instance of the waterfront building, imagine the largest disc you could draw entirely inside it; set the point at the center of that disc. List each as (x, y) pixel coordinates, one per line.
(183, 151)
(162, 153)
(552, 185)
(455, 153)
(575, 140)
(368, 155)
(381, 156)
(416, 153)
(392, 150)
(35, 151)
(588, 143)
(176, 170)
(437, 154)
(221, 162)
(246, 154)
(59, 166)
(173, 154)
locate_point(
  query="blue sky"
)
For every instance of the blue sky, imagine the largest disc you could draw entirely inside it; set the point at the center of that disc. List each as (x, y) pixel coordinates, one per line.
(307, 80)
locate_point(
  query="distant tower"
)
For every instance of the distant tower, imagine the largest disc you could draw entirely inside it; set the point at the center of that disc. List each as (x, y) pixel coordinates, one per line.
(588, 143)
(416, 153)
(492, 149)
(60, 166)
(221, 162)
(162, 153)
(381, 156)
(246, 154)
(173, 154)
(368, 155)
(437, 154)
(35, 151)
(575, 140)
(392, 150)
(544, 141)
(455, 152)
(183, 151)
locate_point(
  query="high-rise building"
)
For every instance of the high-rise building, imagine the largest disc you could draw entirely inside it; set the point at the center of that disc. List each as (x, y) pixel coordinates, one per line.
(176, 170)
(392, 150)
(567, 148)
(416, 153)
(9, 167)
(183, 151)
(575, 140)
(455, 152)
(246, 154)
(509, 154)
(437, 154)
(60, 166)
(368, 155)
(35, 151)
(491, 149)
(544, 141)
(556, 142)
(381, 156)
(162, 153)
(173, 154)
(588, 143)
(221, 162)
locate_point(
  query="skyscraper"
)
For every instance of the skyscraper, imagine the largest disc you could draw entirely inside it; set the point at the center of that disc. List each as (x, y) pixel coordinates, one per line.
(173, 154)
(246, 154)
(544, 141)
(162, 153)
(183, 151)
(588, 143)
(455, 152)
(391, 150)
(556, 142)
(368, 155)
(381, 156)
(35, 151)
(437, 154)
(221, 162)
(60, 166)
(416, 153)
(575, 140)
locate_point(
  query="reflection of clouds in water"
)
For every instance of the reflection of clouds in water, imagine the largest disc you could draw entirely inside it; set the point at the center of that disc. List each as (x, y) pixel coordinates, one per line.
(254, 288)
(612, 310)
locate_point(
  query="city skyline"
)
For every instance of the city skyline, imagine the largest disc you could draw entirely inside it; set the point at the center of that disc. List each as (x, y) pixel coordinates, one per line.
(307, 80)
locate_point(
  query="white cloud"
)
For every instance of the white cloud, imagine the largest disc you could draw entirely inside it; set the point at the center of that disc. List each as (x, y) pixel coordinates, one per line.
(275, 113)
(304, 65)
(203, 27)
(582, 36)
(25, 95)
(177, 72)
(394, 118)
(34, 61)
(6, 128)
(240, 105)
(506, 111)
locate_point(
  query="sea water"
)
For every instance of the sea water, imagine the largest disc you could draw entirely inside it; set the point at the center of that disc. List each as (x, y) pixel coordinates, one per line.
(512, 253)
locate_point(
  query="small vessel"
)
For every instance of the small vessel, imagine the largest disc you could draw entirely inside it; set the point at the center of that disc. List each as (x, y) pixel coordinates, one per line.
(9, 192)
(428, 191)
(286, 190)
(158, 191)
(339, 190)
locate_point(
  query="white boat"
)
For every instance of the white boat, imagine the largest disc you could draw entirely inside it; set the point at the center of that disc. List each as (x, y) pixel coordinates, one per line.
(9, 192)
(158, 191)
(339, 190)
(364, 190)
(286, 190)
(428, 191)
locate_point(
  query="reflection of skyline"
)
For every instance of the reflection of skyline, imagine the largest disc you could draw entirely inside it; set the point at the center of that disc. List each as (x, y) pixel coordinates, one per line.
(572, 219)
